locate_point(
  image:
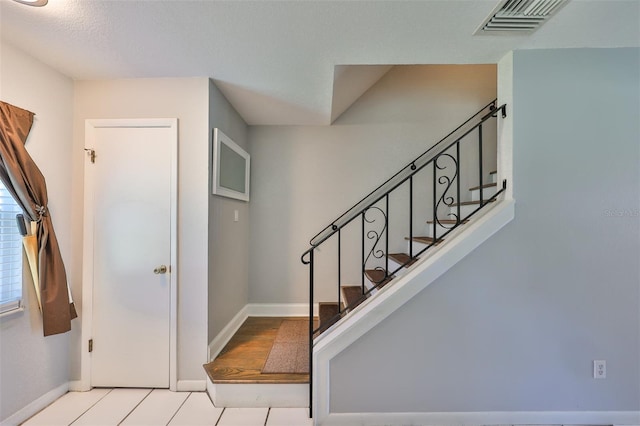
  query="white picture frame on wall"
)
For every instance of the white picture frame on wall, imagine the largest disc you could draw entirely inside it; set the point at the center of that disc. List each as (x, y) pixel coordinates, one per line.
(230, 168)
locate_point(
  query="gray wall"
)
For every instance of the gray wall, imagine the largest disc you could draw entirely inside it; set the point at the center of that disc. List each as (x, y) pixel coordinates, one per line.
(32, 365)
(515, 325)
(305, 176)
(228, 240)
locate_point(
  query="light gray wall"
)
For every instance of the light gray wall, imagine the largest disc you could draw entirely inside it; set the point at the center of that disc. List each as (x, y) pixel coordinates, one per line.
(515, 325)
(186, 99)
(305, 176)
(30, 364)
(228, 240)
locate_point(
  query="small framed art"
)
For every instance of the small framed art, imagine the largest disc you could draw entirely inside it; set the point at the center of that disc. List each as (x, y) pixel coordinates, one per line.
(230, 168)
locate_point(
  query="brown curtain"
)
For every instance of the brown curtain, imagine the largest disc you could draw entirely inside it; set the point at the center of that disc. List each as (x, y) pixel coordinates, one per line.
(26, 183)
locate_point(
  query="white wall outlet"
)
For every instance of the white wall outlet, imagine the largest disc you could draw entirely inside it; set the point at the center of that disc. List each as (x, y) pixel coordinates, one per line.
(236, 215)
(599, 369)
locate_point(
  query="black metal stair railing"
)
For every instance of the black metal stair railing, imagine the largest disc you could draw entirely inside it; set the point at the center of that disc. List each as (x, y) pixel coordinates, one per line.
(429, 187)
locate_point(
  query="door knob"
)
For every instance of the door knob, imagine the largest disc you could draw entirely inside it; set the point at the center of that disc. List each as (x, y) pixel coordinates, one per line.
(162, 269)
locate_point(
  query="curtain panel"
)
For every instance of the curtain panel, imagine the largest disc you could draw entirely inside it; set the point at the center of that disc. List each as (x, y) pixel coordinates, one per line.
(26, 183)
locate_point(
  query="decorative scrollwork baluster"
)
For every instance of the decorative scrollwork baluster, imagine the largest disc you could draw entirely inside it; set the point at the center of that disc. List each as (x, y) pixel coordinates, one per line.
(446, 181)
(375, 236)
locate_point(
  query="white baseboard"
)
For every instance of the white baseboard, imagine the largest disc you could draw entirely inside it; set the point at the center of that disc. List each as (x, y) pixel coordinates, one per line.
(79, 386)
(191, 385)
(486, 418)
(36, 406)
(256, 310)
(218, 343)
(280, 309)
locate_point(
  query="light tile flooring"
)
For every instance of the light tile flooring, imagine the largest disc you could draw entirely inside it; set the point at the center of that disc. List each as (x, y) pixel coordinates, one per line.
(154, 407)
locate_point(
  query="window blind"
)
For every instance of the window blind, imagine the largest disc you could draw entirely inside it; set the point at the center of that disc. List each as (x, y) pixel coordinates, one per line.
(10, 253)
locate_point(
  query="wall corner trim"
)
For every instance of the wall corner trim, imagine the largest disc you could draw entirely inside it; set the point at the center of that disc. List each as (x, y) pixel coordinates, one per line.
(79, 386)
(36, 406)
(218, 342)
(191, 386)
(497, 417)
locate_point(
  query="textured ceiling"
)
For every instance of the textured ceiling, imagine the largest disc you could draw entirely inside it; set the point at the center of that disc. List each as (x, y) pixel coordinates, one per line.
(275, 60)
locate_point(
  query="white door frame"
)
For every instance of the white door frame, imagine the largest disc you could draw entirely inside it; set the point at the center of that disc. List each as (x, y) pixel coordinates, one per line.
(87, 261)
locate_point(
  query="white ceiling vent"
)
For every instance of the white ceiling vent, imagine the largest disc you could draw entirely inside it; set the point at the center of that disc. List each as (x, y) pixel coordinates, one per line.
(520, 15)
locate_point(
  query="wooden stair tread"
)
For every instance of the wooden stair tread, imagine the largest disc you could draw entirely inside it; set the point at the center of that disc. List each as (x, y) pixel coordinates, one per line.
(487, 185)
(234, 375)
(352, 295)
(328, 313)
(493, 172)
(403, 259)
(377, 277)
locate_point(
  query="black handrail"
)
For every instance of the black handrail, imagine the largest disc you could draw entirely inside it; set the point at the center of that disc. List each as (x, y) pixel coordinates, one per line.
(333, 227)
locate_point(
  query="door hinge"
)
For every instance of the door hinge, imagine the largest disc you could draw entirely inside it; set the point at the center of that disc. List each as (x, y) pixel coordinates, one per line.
(90, 345)
(91, 153)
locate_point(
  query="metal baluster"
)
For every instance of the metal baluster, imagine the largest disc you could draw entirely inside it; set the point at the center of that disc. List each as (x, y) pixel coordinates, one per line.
(339, 272)
(410, 217)
(311, 334)
(480, 159)
(458, 182)
(363, 266)
(435, 213)
(386, 248)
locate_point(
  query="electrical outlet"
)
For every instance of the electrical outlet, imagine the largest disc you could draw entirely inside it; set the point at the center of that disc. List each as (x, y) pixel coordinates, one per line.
(236, 216)
(599, 369)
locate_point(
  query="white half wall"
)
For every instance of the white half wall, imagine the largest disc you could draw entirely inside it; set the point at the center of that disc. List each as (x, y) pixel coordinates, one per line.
(515, 326)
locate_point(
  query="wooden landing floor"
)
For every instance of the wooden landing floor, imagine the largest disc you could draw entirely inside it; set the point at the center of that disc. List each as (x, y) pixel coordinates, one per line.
(242, 359)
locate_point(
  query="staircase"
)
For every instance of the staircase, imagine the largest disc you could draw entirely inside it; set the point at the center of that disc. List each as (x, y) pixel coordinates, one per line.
(402, 222)
(375, 279)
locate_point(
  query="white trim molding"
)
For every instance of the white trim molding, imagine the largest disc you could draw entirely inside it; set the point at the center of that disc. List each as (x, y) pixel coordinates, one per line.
(280, 309)
(78, 386)
(36, 406)
(390, 298)
(505, 125)
(219, 342)
(486, 418)
(191, 386)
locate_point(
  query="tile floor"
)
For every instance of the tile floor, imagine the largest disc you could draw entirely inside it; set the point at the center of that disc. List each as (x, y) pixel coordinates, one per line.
(153, 407)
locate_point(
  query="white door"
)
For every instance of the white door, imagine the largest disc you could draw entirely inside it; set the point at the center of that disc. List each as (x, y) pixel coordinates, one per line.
(129, 219)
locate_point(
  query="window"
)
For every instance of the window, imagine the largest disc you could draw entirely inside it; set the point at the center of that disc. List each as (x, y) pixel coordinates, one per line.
(10, 253)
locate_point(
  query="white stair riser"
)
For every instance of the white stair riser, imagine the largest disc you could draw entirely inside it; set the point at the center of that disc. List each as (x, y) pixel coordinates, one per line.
(393, 265)
(440, 230)
(369, 285)
(417, 247)
(343, 296)
(486, 193)
(243, 395)
(465, 210)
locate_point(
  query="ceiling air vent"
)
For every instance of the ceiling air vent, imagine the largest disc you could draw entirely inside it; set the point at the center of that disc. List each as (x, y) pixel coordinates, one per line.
(520, 15)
